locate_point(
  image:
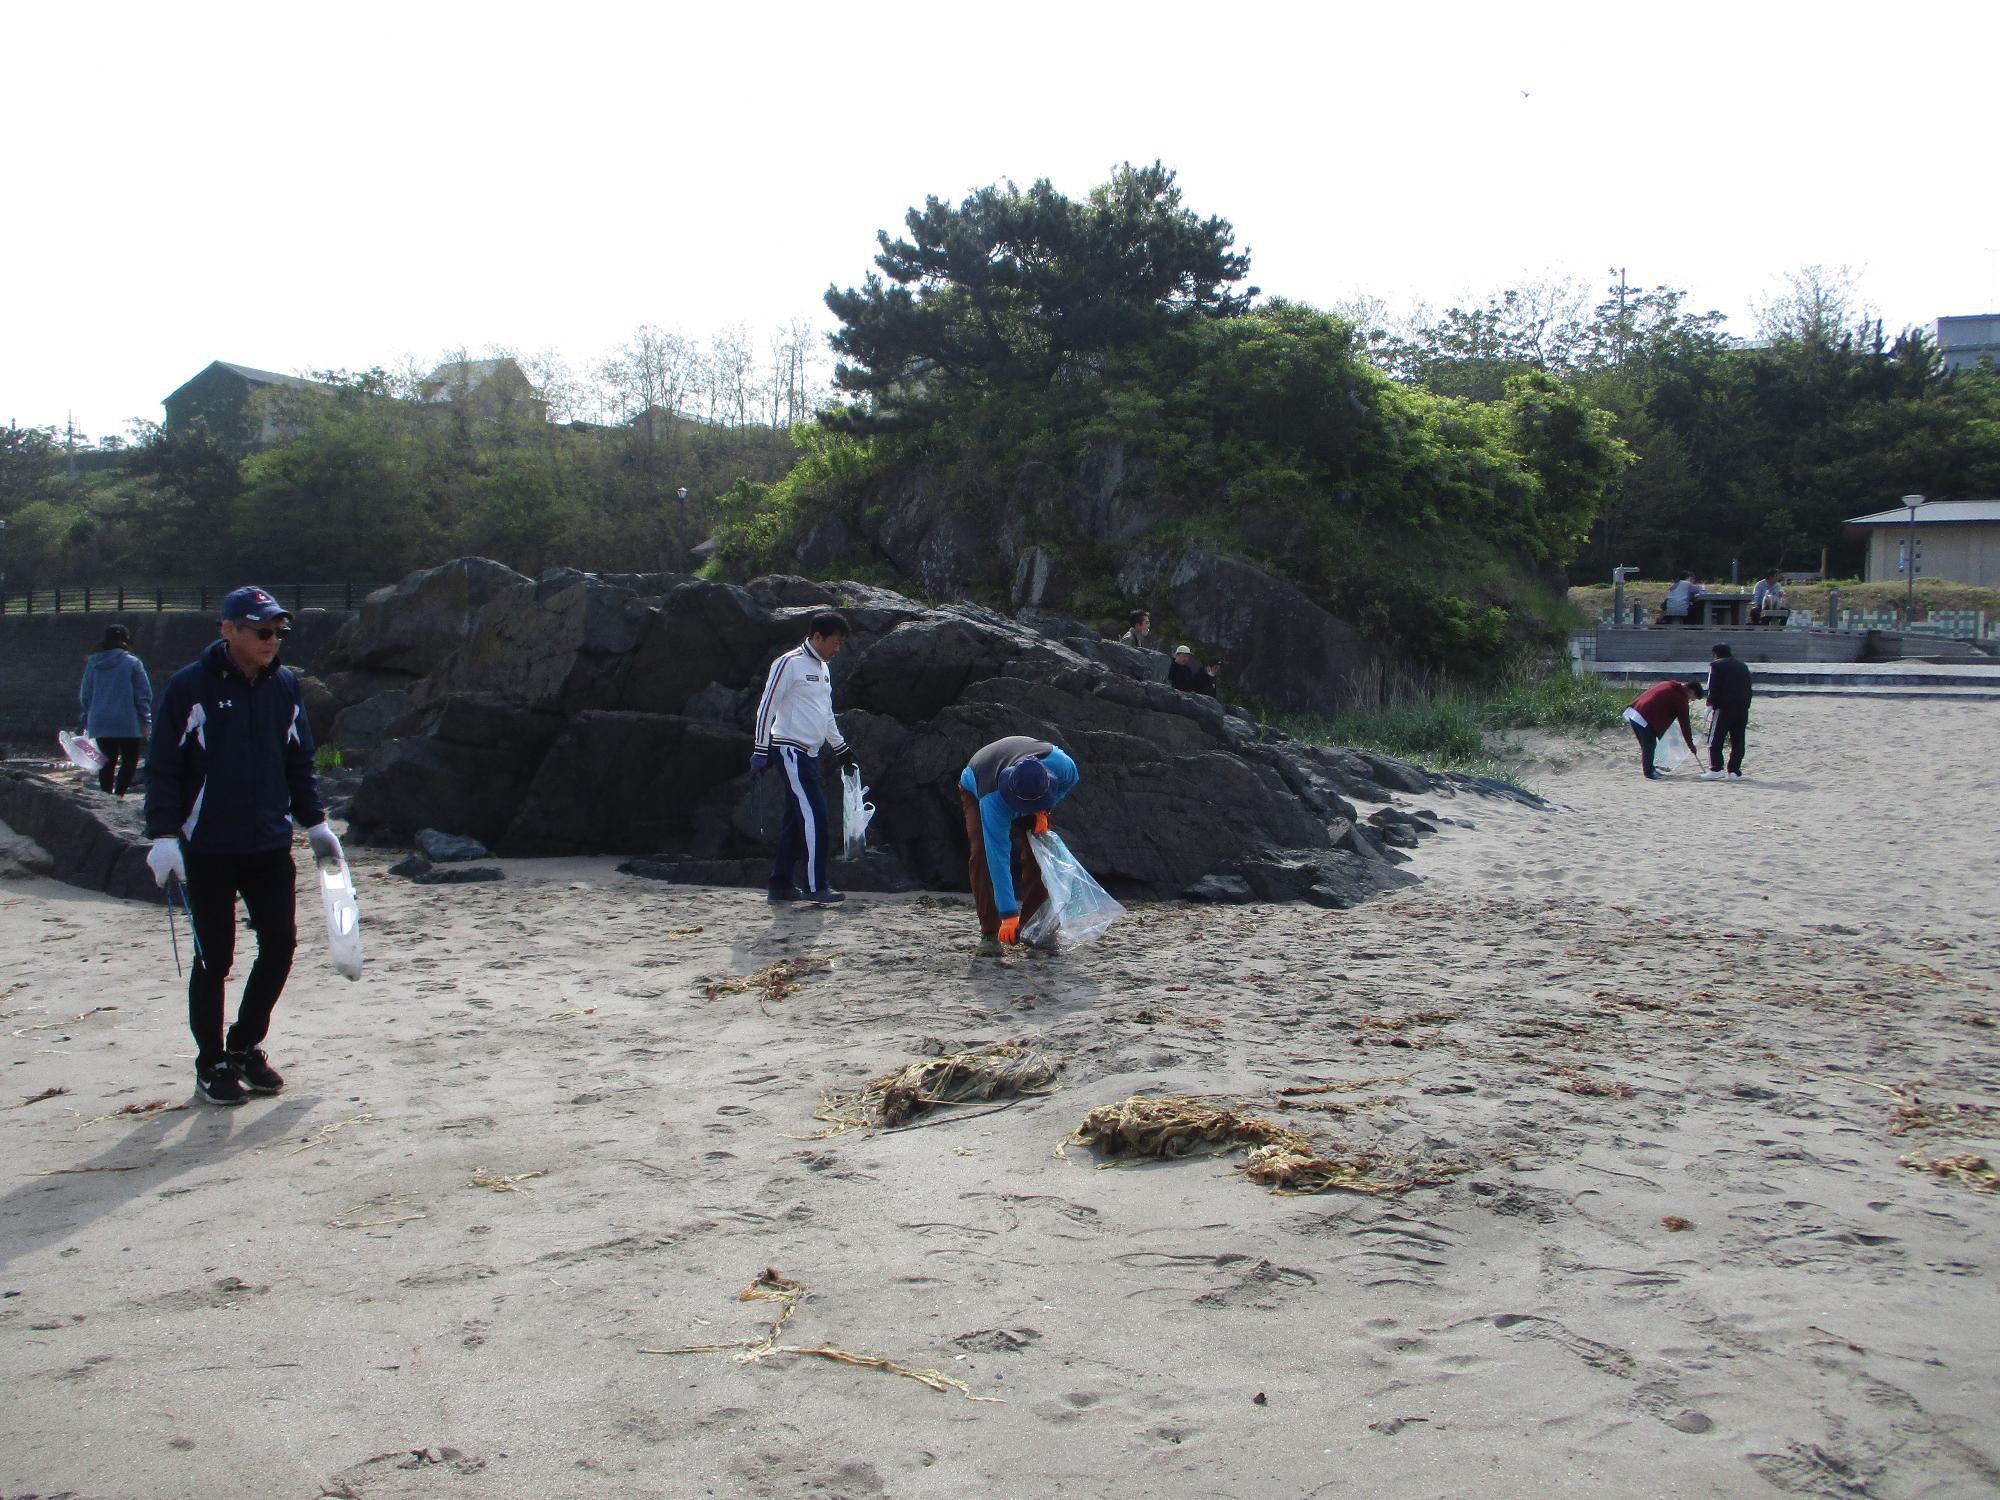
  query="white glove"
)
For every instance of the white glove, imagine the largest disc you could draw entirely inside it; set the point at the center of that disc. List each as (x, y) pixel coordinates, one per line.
(165, 861)
(325, 844)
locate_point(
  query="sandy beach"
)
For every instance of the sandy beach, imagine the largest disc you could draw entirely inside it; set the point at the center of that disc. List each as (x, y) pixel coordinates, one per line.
(1682, 1070)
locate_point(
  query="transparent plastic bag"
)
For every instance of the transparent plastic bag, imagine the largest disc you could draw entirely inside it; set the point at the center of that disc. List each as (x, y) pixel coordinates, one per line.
(82, 751)
(343, 917)
(1672, 752)
(856, 811)
(1078, 909)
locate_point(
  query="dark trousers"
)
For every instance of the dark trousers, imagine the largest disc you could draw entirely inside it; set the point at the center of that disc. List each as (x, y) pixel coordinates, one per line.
(121, 759)
(805, 834)
(268, 883)
(1647, 740)
(1729, 724)
(1028, 885)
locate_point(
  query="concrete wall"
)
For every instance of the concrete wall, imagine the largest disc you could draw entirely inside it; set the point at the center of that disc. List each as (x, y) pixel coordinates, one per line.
(1679, 643)
(1966, 552)
(41, 660)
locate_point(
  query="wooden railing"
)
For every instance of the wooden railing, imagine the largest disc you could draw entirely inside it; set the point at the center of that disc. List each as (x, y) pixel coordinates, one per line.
(158, 598)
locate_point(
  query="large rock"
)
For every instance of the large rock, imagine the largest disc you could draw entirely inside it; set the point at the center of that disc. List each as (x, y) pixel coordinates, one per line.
(465, 771)
(1275, 642)
(581, 717)
(414, 627)
(87, 838)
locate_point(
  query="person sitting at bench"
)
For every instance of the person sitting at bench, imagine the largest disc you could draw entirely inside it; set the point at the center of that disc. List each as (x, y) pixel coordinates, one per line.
(1679, 606)
(1767, 601)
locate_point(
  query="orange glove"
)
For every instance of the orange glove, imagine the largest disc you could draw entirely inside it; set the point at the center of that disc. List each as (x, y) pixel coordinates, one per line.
(1010, 930)
(1041, 822)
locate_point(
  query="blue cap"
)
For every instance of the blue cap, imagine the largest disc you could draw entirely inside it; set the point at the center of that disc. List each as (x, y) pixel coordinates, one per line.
(1028, 786)
(251, 603)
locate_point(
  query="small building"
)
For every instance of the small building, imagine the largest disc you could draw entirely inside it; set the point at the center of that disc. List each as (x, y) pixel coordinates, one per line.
(484, 388)
(1964, 341)
(221, 395)
(1957, 540)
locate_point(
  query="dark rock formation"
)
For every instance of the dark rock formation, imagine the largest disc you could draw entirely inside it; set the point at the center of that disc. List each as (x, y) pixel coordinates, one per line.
(582, 715)
(449, 848)
(90, 839)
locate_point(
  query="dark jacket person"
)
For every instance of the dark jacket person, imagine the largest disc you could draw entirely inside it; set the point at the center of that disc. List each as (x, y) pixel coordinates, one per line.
(231, 766)
(1729, 707)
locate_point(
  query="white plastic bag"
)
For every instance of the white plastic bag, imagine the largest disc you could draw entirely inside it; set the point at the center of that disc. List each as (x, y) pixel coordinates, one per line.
(855, 812)
(1672, 752)
(343, 917)
(1078, 909)
(82, 751)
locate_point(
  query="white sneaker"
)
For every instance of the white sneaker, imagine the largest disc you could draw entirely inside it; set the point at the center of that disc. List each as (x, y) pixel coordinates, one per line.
(1715, 775)
(1735, 775)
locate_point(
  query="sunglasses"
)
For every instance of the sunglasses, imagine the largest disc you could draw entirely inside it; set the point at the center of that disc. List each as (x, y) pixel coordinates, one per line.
(265, 632)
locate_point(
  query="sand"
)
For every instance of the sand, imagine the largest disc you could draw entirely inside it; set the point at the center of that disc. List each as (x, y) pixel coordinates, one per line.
(529, 1147)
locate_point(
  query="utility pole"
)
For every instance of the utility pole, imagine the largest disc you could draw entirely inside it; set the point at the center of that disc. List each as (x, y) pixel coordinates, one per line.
(1620, 289)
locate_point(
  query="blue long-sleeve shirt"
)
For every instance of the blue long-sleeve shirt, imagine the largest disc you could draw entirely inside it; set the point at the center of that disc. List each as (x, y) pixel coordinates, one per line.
(996, 818)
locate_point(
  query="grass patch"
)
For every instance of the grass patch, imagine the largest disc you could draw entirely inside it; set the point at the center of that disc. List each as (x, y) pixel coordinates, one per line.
(1444, 725)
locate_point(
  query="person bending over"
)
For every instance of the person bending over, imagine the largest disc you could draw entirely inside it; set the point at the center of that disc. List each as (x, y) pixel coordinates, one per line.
(1007, 789)
(1655, 711)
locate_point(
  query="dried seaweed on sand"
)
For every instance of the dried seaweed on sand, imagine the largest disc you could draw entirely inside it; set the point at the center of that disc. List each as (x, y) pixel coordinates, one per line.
(1281, 1158)
(773, 1287)
(1003, 1070)
(774, 981)
(1968, 1167)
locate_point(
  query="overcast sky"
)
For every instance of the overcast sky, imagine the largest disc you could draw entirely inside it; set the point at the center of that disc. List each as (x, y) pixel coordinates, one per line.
(339, 186)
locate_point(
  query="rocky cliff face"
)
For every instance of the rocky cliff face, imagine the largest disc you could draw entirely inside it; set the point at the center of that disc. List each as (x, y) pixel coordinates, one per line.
(1279, 645)
(582, 713)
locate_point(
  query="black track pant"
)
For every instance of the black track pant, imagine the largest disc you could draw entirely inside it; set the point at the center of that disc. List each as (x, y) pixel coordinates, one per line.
(267, 883)
(121, 760)
(1647, 741)
(1729, 724)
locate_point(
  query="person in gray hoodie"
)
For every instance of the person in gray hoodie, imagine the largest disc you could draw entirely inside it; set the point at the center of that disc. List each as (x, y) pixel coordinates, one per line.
(117, 701)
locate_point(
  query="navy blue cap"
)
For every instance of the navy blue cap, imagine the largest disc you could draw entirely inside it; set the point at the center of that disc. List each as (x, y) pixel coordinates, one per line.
(1028, 786)
(251, 603)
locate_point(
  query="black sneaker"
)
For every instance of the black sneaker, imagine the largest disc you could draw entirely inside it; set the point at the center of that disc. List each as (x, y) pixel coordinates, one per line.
(784, 895)
(827, 896)
(218, 1084)
(256, 1071)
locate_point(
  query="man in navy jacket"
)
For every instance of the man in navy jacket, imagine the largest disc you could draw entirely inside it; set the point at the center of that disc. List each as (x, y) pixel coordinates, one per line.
(231, 765)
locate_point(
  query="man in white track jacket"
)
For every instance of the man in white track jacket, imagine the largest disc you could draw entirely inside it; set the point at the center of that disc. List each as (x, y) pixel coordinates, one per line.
(794, 720)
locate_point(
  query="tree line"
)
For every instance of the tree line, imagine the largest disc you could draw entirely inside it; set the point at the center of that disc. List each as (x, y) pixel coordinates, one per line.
(1432, 477)
(371, 479)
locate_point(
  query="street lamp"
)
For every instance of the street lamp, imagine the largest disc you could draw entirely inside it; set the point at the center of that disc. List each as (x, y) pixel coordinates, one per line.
(1910, 564)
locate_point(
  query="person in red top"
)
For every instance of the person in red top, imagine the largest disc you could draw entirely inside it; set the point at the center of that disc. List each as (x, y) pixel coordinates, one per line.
(1657, 710)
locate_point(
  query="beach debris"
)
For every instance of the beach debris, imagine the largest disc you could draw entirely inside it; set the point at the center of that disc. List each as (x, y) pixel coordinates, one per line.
(1342, 1086)
(134, 1111)
(774, 980)
(1260, 1399)
(55, 1092)
(1959, 1119)
(1003, 1070)
(1281, 1158)
(573, 1012)
(1967, 1167)
(772, 1286)
(325, 1133)
(682, 934)
(481, 1178)
(1576, 1081)
(1676, 1223)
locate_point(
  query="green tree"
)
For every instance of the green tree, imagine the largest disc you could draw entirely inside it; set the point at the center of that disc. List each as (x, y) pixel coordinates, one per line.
(1011, 290)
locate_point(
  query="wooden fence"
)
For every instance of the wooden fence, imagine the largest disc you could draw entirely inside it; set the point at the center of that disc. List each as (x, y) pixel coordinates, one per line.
(159, 598)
